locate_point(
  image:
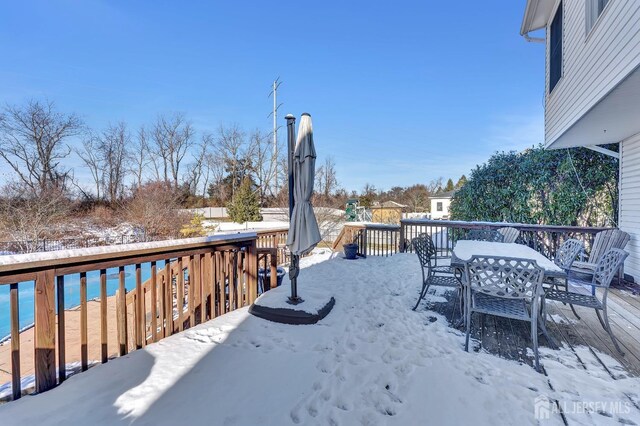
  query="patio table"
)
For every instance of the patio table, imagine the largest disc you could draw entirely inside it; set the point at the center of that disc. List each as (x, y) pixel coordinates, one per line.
(465, 249)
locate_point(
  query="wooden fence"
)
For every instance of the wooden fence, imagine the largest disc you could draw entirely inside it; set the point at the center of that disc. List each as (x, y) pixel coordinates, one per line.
(202, 278)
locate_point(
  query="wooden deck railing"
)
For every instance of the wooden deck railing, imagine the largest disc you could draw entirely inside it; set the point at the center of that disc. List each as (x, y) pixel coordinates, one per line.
(544, 238)
(373, 239)
(201, 278)
(275, 238)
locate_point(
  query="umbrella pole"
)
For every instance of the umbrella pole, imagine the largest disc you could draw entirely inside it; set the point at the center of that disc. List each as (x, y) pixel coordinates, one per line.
(294, 299)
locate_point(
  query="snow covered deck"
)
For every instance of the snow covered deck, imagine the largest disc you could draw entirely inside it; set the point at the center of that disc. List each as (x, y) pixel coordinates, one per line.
(371, 361)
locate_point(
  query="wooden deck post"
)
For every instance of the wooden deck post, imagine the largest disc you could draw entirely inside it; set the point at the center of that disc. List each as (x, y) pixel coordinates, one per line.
(45, 331)
(154, 303)
(274, 268)
(168, 299)
(139, 315)
(84, 359)
(15, 343)
(180, 298)
(122, 313)
(206, 288)
(62, 369)
(252, 267)
(103, 316)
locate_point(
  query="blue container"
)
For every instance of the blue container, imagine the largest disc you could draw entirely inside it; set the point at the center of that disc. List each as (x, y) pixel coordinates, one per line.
(350, 251)
(264, 278)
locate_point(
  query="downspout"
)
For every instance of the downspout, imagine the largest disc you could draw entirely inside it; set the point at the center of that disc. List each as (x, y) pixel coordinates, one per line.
(530, 39)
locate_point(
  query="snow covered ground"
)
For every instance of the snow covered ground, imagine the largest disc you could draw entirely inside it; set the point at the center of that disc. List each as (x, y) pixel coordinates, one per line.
(371, 361)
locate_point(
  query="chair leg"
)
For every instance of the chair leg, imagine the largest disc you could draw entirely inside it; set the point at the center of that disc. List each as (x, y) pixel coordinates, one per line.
(600, 319)
(573, 309)
(423, 291)
(621, 275)
(468, 326)
(461, 301)
(534, 338)
(608, 329)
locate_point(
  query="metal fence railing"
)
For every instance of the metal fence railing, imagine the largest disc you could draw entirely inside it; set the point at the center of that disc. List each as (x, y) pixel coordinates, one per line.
(43, 245)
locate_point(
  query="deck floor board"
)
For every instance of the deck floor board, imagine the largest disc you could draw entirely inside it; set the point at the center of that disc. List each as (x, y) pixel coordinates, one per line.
(587, 339)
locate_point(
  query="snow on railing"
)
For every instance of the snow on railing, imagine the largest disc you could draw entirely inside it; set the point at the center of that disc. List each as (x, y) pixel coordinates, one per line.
(376, 239)
(444, 233)
(132, 295)
(373, 239)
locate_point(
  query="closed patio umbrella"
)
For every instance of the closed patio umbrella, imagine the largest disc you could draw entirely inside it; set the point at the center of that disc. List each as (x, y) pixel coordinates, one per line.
(303, 233)
(303, 228)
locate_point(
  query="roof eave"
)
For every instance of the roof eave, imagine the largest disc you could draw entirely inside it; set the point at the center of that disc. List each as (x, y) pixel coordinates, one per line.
(535, 17)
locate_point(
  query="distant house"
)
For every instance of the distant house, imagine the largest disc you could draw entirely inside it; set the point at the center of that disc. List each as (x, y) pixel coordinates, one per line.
(440, 205)
(592, 89)
(387, 212)
(209, 213)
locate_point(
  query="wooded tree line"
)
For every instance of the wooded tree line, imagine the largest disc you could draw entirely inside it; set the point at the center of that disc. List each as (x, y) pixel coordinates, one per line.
(38, 143)
(416, 197)
(53, 155)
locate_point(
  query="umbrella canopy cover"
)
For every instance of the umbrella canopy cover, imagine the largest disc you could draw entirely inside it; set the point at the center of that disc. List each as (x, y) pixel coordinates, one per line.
(303, 229)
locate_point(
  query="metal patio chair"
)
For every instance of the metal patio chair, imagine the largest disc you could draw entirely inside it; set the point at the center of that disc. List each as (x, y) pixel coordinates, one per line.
(603, 274)
(565, 256)
(426, 251)
(505, 287)
(509, 234)
(439, 266)
(490, 235)
(603, 241)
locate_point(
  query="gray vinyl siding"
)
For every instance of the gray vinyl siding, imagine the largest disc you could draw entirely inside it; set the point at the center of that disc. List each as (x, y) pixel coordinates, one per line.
(594, 63)
(629, 216)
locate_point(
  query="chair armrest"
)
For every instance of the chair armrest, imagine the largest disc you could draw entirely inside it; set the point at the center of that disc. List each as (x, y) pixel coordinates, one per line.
(586, 267)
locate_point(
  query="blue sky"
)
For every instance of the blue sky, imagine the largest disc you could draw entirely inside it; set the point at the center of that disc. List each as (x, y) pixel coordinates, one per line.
(400, 92)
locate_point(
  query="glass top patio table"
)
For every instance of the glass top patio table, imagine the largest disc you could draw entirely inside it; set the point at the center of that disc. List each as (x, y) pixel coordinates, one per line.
(465, 249)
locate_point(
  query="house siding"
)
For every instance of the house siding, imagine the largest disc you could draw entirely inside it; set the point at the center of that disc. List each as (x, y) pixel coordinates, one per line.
(629, 215)
(593, 64)
(446, 204)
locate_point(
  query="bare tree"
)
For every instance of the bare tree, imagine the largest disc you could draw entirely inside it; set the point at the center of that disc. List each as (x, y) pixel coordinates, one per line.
(27, 217)
(105, 155)
(231, 148)
(172, 138)
(32, 142)
(262, 165)
(114, 149)
(91, 157)
(216, 169)
(140, 156)
(330, 180)
(197, 171)
(435, 185)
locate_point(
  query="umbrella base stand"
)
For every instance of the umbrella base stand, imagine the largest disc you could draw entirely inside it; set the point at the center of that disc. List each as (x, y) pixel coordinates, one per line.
(295, 300)
(291, 315)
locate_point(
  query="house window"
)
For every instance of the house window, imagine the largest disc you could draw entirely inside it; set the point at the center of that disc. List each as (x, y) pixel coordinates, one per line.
(593, 10)
(555, 49)
(439, 206)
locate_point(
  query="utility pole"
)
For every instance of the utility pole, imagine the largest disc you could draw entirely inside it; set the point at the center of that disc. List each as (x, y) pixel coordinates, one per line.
(274, 113)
